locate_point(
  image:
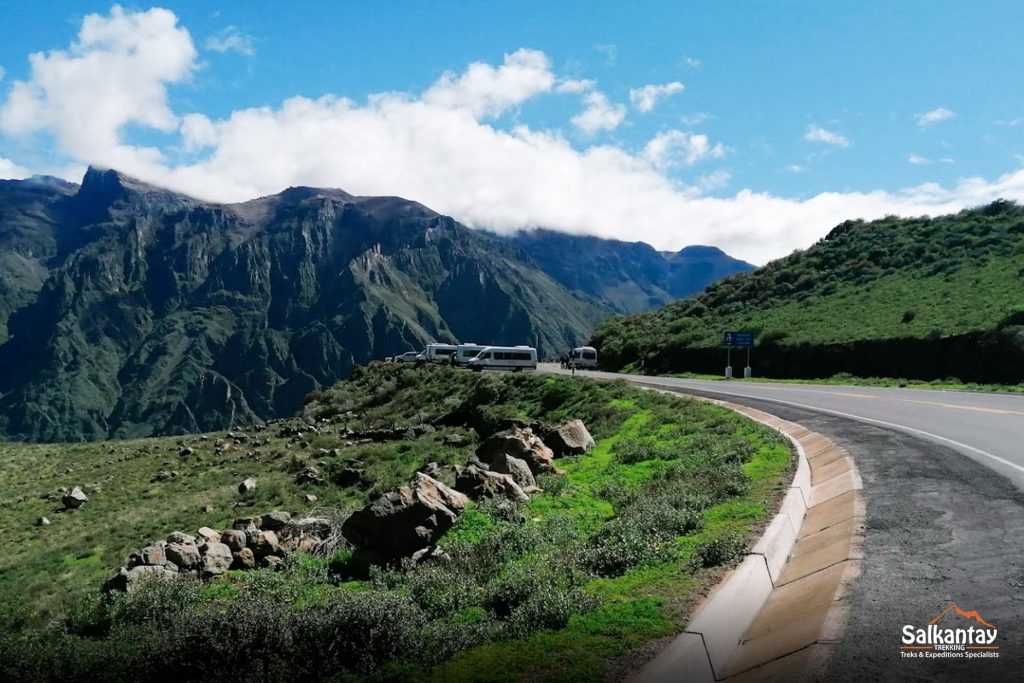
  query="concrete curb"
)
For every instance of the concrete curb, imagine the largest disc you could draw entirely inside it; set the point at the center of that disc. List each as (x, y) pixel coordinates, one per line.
(777, 615)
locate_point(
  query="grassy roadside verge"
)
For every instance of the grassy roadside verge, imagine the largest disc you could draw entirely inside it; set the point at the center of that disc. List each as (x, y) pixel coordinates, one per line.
(575, 584)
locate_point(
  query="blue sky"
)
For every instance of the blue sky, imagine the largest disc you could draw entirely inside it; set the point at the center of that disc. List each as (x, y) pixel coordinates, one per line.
(775, 119)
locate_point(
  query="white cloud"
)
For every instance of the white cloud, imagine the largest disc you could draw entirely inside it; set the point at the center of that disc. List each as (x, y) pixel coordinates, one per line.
(488, 91)
(692, 62)
(438, 147)
(575, 85)
(934, 116)
(796, 168)
(919, 160)
(114, 74)
(674, 147)
(599, 115)
(644, 99)
(819, 134)
(696, 119)
(10, 170)
(232, 39)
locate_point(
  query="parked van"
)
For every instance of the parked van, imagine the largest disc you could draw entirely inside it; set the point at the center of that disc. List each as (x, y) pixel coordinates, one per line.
(514, 358)
(583, 357)
(439, 353)
(466, 352)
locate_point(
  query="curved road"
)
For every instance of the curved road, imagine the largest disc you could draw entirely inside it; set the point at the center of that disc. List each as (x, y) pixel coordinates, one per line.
(941, 528)
(988, 428)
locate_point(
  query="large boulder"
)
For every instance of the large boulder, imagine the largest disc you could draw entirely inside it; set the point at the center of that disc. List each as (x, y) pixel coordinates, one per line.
(407, 519)
(521, 443)
(478, 483)
(185, 555)
(127, 580)
(266, 543)
(208, 535)
(276, 520)
(243, 559)
(247, 486)
(216, 559)
(234, 539)
(571, 438)
(515, 468)
(74, 499)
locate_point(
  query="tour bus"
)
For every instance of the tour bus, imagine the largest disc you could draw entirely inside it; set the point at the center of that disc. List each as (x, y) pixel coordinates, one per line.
(583, 357)
(439, 353)
(514, 358)
(465, 352)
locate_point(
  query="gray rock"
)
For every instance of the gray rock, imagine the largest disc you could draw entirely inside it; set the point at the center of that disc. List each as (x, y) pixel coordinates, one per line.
(478, 483)
(266, 543)
(271, 562)
(247, 486)
(185, 555)
(74, 499)
(515, 468)
(217, 559)
(43, 521)
(571, 438)
(243, 559)
(209, 535)
(235, 539)
(154, 554)
(181, 537)
(276, 520)
(405, 520)
(522, 443)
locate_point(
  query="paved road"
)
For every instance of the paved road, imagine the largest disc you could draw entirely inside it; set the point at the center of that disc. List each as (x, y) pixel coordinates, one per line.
(988, 428)
(941, 528)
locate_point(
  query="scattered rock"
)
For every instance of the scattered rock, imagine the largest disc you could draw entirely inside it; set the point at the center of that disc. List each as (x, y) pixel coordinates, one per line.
(311, 498)
(186, 451)
(271, 562)
(234, 539)
(516, 468)
(522, 443)
(185, 555)
(405, 520)
(349, 476)
(74, 499)
(43, 521)
(454, 440)
(571, 438)
(276, 520)
(247, 486)
(266, 543)
(478, 483)
(126, 580)
(243, 559)
(181, 537)
(310, 475)
(209, 535)
(154, 554)
(217, 559)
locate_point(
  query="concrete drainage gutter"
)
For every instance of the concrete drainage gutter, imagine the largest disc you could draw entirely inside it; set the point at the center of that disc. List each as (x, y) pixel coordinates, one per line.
(778, 614)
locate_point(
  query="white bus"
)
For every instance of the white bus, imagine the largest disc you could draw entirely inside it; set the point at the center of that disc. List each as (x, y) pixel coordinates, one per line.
(583, 357)
(466, 352)
(514, 358)
(438, 353)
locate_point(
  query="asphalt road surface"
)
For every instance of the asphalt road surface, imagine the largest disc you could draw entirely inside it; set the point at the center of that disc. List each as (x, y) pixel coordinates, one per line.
(943, 473)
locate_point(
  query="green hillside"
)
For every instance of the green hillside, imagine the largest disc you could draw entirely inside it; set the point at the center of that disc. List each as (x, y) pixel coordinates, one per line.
(893, 297)
(565, 586)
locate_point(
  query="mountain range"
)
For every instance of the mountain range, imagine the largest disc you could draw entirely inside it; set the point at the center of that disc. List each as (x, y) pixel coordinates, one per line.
(128, 310)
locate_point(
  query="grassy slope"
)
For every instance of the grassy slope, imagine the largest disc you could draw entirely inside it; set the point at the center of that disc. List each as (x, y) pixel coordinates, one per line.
(891, 278)
(614, 611)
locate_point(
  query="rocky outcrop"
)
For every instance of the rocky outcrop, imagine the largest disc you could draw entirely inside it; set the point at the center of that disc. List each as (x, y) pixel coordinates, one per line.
(255, 541)
(521, 443)
(571, 438)
(405, 520)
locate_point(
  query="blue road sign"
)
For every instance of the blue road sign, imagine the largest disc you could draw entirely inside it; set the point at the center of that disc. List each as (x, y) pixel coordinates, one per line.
(741, 339)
